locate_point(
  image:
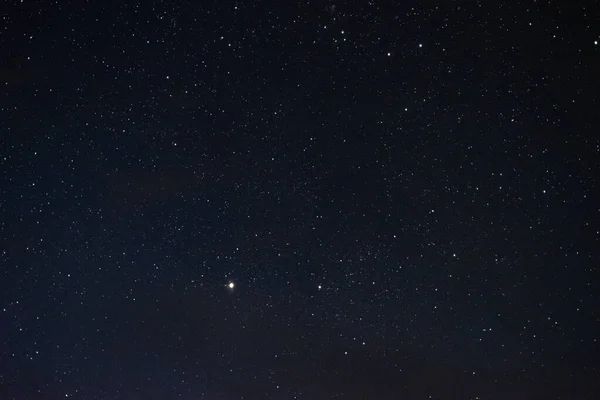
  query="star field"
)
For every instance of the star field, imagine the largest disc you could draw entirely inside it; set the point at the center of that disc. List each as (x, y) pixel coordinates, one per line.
(305, 200)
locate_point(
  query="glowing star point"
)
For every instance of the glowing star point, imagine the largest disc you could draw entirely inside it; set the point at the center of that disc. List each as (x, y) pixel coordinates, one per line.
(231, 285)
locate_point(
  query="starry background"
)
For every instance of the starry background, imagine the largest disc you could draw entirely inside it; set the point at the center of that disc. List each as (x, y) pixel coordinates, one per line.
(405, 197)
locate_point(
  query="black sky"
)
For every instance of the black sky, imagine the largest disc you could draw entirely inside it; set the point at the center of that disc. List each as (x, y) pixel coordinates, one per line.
(404, 196)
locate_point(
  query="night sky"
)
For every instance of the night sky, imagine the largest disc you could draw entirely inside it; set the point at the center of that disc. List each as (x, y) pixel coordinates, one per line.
(313, 200)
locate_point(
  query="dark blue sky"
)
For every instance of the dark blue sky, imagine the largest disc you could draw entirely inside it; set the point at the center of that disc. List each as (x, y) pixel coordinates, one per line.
(404, 196)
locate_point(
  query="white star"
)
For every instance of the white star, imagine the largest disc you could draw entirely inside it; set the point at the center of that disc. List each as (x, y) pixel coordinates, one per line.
(231, 285)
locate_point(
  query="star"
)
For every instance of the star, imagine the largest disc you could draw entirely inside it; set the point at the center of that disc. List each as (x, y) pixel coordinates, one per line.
(231, 285)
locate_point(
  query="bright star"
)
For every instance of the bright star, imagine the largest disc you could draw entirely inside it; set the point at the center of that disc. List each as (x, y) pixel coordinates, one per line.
(231, 285)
